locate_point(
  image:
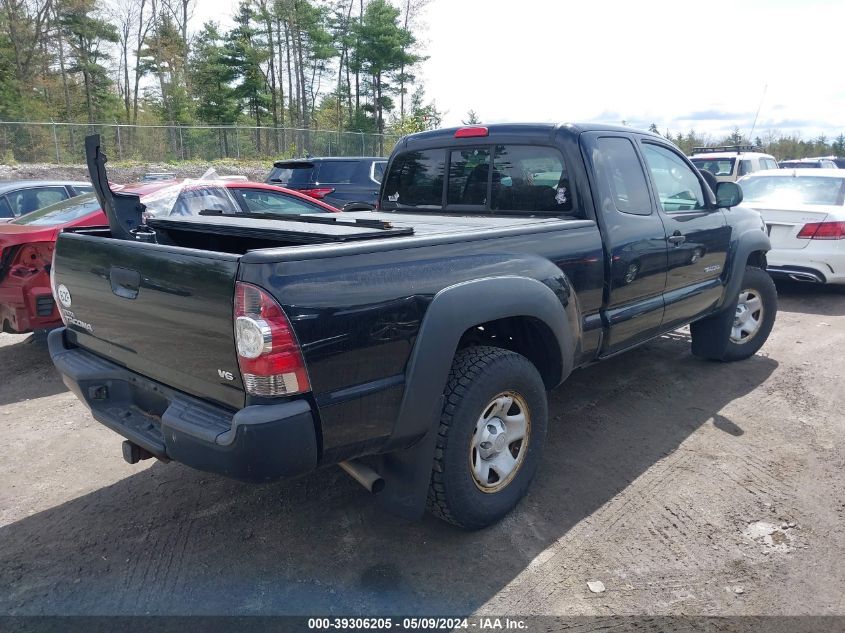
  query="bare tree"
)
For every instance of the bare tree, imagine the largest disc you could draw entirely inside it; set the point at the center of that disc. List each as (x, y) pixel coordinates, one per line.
(411, 11)
(181, 11)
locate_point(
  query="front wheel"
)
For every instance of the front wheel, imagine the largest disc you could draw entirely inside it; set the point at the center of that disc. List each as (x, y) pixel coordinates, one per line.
(739, 334)
(490, 438)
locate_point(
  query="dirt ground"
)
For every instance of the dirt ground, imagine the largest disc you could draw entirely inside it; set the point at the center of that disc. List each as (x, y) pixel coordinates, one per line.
(686, 487)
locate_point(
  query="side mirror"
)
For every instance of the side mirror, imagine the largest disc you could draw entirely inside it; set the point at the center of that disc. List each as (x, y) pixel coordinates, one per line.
(728, 194)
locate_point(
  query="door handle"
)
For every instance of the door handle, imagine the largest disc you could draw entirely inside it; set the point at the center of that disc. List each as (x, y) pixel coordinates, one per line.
(677, 239)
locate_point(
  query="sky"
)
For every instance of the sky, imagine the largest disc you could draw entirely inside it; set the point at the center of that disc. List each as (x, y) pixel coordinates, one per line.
(679, 64)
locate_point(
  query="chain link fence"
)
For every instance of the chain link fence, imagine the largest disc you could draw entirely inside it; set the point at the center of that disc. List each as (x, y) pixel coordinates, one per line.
(63, 143)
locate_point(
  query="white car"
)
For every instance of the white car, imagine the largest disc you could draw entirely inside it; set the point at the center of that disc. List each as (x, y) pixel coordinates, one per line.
(730, 162)
(804, 212)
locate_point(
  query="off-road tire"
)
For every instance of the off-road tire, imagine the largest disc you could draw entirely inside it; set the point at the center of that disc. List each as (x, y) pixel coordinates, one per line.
(478, 374)
(711, 337)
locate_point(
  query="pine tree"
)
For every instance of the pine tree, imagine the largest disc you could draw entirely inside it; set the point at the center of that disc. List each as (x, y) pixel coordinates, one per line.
(87, 34)
(383, 54)
(245, 54)
(211, 83)
(472, 118)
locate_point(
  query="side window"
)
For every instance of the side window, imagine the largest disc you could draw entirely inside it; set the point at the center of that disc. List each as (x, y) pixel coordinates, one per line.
(337, 172)
(5, 209)
(192, 201)
(263, 201)
(677, 186)
(469, 171)
(415, 180)
(29, 200)
(529, 179)
(622, 182)
(744, 168)
(50, 195)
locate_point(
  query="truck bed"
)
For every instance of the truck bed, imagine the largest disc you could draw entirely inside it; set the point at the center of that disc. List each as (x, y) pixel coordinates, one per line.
(239, 235)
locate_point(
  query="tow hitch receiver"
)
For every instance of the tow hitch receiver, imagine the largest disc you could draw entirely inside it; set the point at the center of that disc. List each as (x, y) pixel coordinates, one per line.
(133, 453)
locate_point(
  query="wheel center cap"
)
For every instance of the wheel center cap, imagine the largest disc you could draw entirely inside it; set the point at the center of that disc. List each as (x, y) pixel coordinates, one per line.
(493, 438)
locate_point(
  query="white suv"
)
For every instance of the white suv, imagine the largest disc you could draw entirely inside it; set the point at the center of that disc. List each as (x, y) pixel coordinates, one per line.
(730, 162)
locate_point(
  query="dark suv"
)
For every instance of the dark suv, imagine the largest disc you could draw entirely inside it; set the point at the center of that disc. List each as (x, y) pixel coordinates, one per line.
(337, 181)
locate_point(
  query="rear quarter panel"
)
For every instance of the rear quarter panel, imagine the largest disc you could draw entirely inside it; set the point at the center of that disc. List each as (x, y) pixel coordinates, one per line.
(357, 316)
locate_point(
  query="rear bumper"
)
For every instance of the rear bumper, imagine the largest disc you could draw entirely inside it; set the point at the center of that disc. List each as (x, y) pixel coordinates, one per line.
(825, 258)
(257, 443)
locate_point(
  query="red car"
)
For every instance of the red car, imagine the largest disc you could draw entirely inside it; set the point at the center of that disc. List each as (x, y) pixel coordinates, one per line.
(26, 244)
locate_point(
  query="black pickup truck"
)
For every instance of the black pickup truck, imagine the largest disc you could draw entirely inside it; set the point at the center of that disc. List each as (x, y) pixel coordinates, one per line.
(412, 344)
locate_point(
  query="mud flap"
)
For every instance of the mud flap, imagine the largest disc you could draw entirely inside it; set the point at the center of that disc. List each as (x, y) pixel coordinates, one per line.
(407, 475)
(710, 336)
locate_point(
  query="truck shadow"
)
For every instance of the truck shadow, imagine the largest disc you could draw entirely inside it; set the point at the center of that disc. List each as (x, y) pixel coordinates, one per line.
(26, 371)
(169, 540)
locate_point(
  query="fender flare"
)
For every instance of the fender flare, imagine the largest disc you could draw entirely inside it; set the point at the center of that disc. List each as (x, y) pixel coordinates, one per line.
(750, 241)
(406, 460)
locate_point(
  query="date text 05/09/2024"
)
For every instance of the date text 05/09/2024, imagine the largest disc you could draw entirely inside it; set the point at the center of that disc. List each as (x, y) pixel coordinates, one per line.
(419, 624)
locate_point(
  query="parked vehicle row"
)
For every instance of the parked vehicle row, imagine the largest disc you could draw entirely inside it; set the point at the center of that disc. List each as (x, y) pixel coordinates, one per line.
(20, 197)
(26, 243)
(809, 163)
(422, 336)
(731, 162)
(336, 181)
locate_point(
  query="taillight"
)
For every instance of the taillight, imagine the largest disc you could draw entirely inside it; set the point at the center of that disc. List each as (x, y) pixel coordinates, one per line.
(823, 231)
(318, 192)
(269, 357)
(53, 286)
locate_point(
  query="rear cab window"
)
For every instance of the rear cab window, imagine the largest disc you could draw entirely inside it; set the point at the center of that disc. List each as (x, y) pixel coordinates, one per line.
(415, 181)
(489, 179)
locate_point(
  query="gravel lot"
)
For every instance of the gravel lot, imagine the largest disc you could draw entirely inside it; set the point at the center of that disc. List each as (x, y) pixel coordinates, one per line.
(686, 487)
(121, 173)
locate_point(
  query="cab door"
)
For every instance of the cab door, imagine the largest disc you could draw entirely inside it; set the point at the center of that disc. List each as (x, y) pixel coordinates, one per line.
(634, 241)
(697, 235)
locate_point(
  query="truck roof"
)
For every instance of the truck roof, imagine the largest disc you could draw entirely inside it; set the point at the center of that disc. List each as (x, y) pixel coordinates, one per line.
(539, 131)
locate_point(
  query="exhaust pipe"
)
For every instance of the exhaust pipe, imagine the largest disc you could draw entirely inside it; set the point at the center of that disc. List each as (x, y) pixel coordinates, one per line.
(364, 475)
(807, 277)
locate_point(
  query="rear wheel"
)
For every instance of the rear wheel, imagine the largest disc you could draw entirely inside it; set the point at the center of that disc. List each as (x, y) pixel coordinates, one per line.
(490, 438)
(739, 334)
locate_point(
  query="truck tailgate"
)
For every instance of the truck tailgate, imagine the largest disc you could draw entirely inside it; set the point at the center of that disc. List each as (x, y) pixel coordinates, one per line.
(163, 312)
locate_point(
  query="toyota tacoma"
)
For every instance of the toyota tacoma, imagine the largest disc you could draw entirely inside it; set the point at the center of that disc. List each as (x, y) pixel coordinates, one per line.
(413, 343)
